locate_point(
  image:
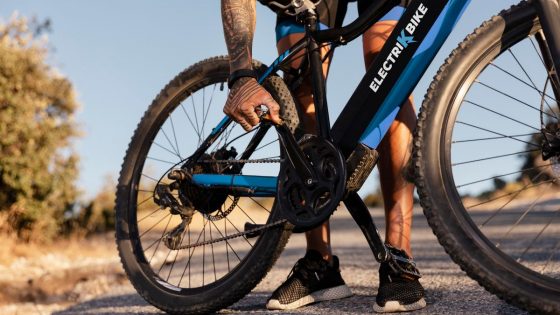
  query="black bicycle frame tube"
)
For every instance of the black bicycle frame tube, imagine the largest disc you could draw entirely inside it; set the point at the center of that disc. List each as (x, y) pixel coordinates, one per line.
(317, 79)
(549, 16)
(351, 31)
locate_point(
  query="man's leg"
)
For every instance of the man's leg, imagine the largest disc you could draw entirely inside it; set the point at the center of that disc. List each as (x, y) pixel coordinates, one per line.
(315, 277)
(394, 153)
(395, 293)
(318, 239)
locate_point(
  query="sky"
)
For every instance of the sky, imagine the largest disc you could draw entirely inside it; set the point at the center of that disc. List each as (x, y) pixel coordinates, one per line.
(119, 54)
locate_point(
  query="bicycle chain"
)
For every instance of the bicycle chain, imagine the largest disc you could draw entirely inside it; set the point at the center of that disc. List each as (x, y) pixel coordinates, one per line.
(245, 161)
(232, 236)
(222, 215)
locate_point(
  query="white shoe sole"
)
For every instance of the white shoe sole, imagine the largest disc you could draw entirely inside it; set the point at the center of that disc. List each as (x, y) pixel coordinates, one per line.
(395, 306)
(342, 291)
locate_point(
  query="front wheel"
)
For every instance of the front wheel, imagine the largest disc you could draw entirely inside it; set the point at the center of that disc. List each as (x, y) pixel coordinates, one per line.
(489, 196)
(220, 256)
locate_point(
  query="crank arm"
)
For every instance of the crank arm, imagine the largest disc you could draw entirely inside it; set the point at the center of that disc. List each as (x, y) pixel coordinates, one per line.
(361, 216)
(294, 154)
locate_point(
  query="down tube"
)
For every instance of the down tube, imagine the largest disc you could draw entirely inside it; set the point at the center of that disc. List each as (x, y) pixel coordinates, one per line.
(413, 72)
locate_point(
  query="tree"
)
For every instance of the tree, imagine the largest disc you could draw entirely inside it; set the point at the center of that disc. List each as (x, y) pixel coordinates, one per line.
(38, 165)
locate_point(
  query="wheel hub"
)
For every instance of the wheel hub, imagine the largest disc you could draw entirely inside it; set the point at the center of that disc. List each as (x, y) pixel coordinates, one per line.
(207, 200)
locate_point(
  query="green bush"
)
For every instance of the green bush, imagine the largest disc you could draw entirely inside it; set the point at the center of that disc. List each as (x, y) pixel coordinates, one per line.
(38, 165)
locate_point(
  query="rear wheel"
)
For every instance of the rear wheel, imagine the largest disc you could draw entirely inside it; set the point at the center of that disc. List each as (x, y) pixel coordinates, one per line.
(219, 262)
(487, 193)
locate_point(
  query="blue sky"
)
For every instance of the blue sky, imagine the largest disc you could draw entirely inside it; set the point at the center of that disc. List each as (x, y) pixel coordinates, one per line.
(119, 54)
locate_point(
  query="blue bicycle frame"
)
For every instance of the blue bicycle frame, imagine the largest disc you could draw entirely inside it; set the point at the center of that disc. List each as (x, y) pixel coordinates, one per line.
(407, 53)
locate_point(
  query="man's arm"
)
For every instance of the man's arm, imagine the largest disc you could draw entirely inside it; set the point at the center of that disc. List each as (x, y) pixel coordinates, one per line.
(239, 19)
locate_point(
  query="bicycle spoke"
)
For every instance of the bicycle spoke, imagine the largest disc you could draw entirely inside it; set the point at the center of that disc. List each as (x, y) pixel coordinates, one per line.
(497, 133)
(204, 249)
(528, 186)
(177, 253)
(196, 121)
(213, 257)
(143, 202)
(174, 135)
(531, 207)
(227, 250)
(513, 98)
(159, 240)
(192, 124)
(495, 138)
(514, 195)
(157, 209)
(175, 150)
(190, 257)
(153, 226)
(502, 175)
(149, 177)
(166, 149)
(238, 206)
(160, 160)
(238, 231)
(538, 235)
(258, 203)
(209, 105)
(494, 157)
(520, 80)
(532, 82)
(501, 115)
(548, 72)
(226, 241)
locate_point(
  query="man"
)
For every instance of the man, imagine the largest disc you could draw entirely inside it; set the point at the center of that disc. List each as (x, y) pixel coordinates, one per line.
(316, 277)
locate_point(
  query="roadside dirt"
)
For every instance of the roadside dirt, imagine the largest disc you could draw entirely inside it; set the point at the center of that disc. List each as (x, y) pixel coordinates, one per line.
(45, 278)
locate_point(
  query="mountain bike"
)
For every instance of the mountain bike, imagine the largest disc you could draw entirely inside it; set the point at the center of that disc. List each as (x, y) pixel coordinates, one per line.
(204, 208)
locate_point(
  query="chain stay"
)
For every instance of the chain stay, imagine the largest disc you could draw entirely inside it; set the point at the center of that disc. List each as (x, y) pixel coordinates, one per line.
(225, 213)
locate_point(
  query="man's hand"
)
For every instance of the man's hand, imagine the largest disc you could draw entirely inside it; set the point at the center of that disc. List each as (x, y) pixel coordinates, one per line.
(244, 98)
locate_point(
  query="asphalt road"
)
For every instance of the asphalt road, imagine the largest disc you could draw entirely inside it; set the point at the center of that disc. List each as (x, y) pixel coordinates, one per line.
(448, 289)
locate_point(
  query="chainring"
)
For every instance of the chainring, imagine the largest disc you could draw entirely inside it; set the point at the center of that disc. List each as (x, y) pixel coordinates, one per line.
(307, 206)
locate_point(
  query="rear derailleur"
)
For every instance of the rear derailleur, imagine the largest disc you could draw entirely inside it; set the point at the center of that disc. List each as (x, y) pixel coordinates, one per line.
(191, 198)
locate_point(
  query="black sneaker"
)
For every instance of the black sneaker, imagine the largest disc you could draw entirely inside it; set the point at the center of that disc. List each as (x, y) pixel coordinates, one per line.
(398, 293)
(311, 280)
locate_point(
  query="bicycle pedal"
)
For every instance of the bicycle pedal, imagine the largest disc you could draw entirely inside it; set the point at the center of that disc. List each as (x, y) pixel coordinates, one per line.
(359, 165)
(250, 226)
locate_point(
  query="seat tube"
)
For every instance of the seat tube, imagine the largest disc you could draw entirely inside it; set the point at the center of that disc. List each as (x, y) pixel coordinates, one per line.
(317, 79)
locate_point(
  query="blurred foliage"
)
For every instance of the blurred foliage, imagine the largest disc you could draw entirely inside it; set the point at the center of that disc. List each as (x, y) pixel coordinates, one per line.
(38, 165)
(374, 199)
(96, 216)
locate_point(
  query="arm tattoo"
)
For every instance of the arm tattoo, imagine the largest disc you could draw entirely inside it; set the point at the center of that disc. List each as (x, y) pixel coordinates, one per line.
(239, 19)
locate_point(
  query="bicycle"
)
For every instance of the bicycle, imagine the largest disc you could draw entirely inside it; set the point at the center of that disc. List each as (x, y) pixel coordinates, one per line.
(206, 200)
